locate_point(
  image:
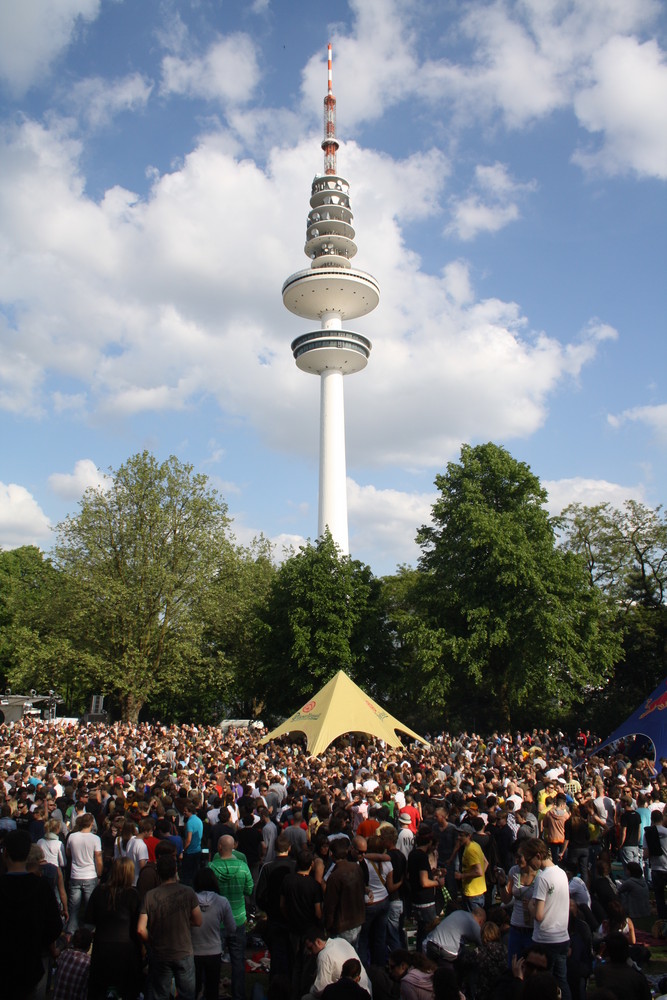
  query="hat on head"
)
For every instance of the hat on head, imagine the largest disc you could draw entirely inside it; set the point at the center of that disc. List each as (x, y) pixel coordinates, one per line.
(405, 819)
(466, 829)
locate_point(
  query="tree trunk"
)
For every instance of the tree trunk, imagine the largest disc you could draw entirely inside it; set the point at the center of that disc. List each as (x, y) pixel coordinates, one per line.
(131, 705)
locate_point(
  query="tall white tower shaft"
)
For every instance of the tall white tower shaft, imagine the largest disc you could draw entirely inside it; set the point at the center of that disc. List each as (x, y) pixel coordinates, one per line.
(332, 509)
(331, 291)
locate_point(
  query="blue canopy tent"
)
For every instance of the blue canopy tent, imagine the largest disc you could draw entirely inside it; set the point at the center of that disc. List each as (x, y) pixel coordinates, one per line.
(648, 720)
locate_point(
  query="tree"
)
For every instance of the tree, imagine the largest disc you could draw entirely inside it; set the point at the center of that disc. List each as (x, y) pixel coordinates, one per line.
(522, 631)
(320, 617)
(626, 556)
(42, 630)
(143, 550)
(234, 633)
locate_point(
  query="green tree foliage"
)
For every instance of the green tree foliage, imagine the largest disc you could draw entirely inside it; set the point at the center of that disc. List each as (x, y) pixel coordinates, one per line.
(522, 633)
(142, 552)
(323, 614)
(41, 629)
(235, 631)
(626, 556)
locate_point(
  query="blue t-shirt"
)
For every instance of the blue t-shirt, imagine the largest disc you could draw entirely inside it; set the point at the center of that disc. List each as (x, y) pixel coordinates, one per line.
(194, 826)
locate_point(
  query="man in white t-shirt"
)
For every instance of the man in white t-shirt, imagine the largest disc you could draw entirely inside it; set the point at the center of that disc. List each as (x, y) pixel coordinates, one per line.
(84, 848)
(550, 909)
(331, 954)
(138, 853)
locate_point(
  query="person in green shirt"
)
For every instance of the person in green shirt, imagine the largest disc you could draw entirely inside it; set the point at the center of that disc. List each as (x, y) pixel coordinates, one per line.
(235, 884)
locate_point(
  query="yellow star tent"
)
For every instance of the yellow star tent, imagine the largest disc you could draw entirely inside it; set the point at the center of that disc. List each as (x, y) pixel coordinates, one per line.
(341, 707)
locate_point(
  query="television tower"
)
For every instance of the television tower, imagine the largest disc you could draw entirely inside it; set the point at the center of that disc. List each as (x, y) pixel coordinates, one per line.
(332, 292)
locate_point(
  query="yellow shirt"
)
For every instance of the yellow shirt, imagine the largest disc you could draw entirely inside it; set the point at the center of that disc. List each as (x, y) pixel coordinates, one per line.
(473, 855)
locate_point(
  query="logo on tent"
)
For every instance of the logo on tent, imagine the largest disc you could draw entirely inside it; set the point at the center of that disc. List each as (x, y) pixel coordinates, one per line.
(659, 704)
(308, 707)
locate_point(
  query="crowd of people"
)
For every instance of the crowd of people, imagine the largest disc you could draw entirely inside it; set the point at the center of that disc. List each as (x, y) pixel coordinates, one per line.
(136, 858)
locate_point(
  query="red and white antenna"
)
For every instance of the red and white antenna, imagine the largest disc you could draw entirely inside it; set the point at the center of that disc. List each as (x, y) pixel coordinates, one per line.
(330, 143)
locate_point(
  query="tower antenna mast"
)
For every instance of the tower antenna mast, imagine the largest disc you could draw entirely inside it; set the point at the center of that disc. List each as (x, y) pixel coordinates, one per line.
(330, 142)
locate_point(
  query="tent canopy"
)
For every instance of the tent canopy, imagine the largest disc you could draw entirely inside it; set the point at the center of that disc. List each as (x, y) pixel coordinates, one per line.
(648, 720)
(341, 707)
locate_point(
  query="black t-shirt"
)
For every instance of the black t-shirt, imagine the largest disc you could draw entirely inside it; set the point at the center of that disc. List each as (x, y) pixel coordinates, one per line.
(249, 841)
(301, 894)
(417, 863)
(632, 823)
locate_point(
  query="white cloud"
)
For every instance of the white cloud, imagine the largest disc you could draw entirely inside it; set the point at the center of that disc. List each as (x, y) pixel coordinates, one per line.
(228, 72)
(492, 206)
(654, 417)
(626, 103)
(197, 268)
(72, 485)
(33, 33)
(98, 100)
(471, 217)
(589, 492)
(385, 523)
(22, 521)
(527, 60)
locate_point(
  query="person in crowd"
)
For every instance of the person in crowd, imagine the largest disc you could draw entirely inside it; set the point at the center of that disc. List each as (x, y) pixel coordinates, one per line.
(113, 911)
(550, 908)
(206, 942)
(330, 955)
(84, 850)
(235, 884)
(30, 921)
(72, 972)
(617, 974)
(167, 914)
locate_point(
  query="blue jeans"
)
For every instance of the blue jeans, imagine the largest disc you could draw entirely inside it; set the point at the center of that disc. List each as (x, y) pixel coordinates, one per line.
(517, 942)
(373, 937)
(181, 970)
(394, 928)
(351, 935)
(236, 948)
(629, 854)
(558, 955)
(80, 891)
(471, 901)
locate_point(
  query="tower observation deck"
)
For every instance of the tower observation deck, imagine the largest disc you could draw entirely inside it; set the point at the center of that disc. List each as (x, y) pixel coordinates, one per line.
(333, 292)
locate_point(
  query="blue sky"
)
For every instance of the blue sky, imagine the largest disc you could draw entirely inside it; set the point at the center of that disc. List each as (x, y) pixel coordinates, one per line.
(507, 163)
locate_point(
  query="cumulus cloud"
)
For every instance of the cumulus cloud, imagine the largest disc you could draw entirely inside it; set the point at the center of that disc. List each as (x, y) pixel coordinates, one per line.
(96, 285)
(33, 33)
(72, 485)
(22, 521)
(526, 61)
(98, 101)
(385, 523)
(626, 103)
(491, 207)
(589, 492)
(228, 72)
(654, 417)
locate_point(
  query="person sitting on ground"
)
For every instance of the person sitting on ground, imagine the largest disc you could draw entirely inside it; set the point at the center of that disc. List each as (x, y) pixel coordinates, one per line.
(348, 986)
(634, 892)
(73, 968)
(616, 973)
(417, 983)
(330, 954)
(491, 961)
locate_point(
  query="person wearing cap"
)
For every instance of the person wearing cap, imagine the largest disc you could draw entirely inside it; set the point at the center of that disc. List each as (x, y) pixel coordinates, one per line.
(406, 838)
(473, 867)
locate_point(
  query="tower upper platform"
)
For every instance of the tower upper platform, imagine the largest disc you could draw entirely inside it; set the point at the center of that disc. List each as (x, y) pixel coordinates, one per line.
(330, 290)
